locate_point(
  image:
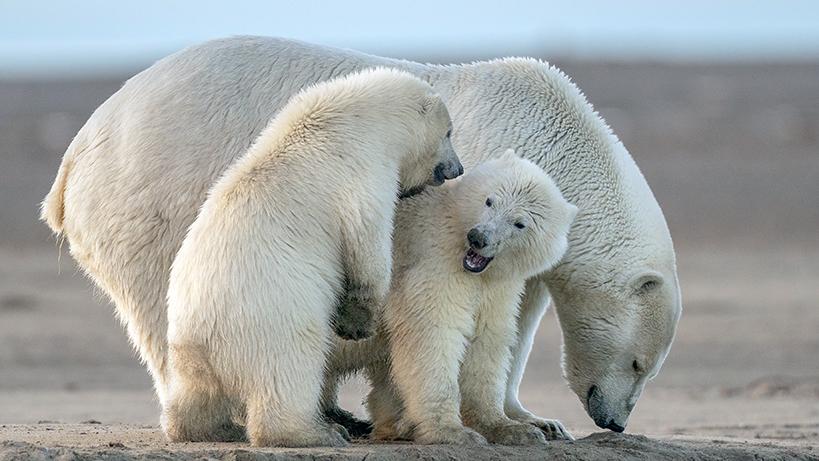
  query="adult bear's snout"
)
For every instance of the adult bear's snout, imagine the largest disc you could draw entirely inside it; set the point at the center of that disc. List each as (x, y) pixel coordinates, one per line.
(601, 412)
(614, 426)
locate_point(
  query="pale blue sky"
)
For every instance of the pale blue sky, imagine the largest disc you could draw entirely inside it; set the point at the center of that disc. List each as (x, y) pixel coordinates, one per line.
(56, 37)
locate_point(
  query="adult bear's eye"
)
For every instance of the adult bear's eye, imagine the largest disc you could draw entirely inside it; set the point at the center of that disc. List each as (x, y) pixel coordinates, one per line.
(449, 133)
(488, 201)
(636, 366)
(520, 225)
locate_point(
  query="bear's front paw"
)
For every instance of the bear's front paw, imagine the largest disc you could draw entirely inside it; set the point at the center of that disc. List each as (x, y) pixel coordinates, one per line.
(354, 317)
(451, 435)
(355, 428)
(515, 434)
(551, 428)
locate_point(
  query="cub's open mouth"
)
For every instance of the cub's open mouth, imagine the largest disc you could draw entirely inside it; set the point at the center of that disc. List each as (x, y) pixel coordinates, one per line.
(475, 263)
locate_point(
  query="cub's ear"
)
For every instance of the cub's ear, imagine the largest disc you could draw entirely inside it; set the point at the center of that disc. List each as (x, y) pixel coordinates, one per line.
(572, 210)
(508, 155)
(429, 103)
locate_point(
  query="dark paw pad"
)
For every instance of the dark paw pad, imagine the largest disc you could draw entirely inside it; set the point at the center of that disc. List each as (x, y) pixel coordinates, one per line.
(356, 428)
(354, 318)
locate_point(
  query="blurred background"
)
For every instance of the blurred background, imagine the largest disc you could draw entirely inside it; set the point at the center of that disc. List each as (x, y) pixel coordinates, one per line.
(718, 102)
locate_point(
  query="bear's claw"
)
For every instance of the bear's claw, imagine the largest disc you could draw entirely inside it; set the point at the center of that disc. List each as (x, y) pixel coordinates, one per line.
(451, 436)
(515, 434)
(552, 429)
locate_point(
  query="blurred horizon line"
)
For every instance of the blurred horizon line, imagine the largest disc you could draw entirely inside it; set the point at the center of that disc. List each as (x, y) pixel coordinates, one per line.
(112, 58)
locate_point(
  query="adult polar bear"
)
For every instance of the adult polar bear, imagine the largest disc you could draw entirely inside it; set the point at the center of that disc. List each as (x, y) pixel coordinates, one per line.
(132, 180)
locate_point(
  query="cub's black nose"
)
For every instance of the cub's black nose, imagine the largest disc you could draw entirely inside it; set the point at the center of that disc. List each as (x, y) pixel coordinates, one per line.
(476, 239)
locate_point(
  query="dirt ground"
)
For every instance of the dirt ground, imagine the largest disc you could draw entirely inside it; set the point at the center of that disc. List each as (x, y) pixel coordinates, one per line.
(732, 154)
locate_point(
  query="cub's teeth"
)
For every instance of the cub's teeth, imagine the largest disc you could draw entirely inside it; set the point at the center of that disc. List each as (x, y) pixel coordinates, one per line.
(474, 262)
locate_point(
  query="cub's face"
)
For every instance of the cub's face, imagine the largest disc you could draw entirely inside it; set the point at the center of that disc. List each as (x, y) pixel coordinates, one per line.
(435, 160)
(520, 220)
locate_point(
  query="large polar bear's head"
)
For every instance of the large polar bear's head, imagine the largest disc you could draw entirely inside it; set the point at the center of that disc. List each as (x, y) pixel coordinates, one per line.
(618, 303)
(514, 218)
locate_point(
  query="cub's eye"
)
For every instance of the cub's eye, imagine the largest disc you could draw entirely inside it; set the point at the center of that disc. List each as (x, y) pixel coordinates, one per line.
(520, 225)
(449, 133)
(488, 201)
(636, 366)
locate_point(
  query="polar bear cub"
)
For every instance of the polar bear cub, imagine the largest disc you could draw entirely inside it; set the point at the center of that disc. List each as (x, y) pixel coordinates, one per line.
(299, 224)
(462, 253)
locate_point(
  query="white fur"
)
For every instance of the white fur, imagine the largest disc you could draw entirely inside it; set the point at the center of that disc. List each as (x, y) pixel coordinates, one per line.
(132, 180)
(254, 285)
(450, 331)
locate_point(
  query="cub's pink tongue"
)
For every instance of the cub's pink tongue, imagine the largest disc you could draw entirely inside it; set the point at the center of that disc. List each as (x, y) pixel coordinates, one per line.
(473, 262)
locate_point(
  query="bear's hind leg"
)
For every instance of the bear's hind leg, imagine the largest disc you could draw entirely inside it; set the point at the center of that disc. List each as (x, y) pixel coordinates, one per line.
(289, 422)
(201, 417)
(196, 407)
(283, 381)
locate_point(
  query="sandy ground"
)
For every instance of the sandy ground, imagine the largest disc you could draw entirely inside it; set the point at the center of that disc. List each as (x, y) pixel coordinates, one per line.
(732, 154)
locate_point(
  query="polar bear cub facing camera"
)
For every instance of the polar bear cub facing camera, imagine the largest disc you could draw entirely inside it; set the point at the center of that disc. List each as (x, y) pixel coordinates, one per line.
(462, 254)
(298, 226)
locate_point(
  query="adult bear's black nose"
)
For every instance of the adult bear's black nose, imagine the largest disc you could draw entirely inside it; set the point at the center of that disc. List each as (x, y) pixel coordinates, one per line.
(615, 427)
(476, 239)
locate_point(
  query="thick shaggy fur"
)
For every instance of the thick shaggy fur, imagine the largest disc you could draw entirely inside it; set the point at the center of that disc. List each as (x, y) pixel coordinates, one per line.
(450, 322)
(132, 180)
(308, 208)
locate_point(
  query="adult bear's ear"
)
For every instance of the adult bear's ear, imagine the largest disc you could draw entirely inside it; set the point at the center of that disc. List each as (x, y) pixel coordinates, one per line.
(430, 102)
(646, 282)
